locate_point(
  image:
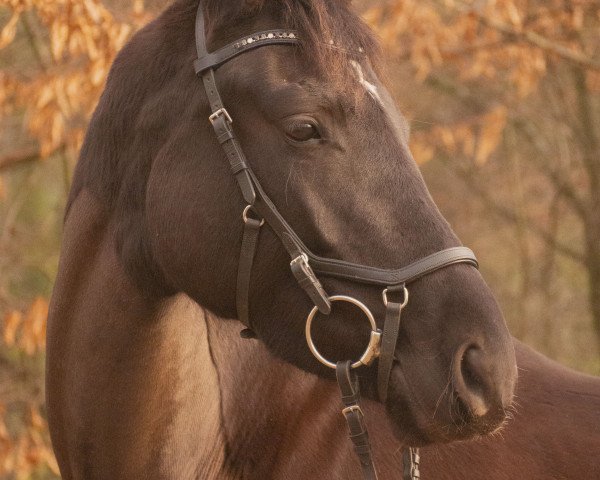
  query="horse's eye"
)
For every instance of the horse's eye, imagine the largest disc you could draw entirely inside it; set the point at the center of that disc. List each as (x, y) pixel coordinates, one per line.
(302, 132)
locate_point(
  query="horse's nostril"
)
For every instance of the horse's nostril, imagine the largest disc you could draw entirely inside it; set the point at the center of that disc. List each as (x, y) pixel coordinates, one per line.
(474, 380)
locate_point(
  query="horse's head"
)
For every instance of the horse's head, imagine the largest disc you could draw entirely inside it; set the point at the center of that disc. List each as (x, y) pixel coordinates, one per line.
(322, 136)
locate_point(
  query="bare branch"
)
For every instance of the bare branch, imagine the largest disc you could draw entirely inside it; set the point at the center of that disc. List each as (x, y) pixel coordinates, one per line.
(559, 179)
(510, 216)
(20, 157)
(530, 37)
(31, 38)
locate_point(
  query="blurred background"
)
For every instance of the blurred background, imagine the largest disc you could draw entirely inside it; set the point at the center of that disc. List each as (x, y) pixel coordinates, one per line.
(504, 101)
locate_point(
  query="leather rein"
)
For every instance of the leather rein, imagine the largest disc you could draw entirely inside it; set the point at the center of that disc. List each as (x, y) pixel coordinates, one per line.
(305, 265)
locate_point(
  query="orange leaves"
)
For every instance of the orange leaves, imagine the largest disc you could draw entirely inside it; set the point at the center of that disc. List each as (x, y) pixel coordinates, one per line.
(33, 328)
(12, 321)
(24, 447)
(501, 39)
(23, 454)
(7, 35)
(83, 38)
(507, 10)
(476, 139)
(492, 127)
(86, 28)
(421, 149)
(27, 332)
(477, 53)
(59, 35)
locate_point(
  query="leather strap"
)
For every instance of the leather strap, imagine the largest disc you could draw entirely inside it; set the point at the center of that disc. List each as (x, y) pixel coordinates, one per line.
(383, 277)
(259, 39)
(248, 250)
(351, 271)
(349, 387)
(222, 124)
(308, 281)
(391, 329)
(212, 60)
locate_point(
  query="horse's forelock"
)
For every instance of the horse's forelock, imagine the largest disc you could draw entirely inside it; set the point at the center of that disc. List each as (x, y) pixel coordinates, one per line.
(331, 32)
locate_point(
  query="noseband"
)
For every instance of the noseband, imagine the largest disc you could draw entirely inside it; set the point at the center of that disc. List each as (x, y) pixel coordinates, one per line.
(305, 265)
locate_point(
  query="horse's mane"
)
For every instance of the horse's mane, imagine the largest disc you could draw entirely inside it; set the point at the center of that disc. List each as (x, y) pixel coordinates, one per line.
(151, 87)
(154, 59)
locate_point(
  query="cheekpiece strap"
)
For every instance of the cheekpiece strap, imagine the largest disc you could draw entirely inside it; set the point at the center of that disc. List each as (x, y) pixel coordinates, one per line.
(247, 253)
(391, 329)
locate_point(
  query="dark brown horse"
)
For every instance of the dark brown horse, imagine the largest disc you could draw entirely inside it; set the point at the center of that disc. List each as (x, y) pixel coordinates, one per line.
(294, 418)
(141, 381)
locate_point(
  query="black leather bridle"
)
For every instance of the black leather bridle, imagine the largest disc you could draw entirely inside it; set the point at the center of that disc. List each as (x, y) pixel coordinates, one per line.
(304, 264)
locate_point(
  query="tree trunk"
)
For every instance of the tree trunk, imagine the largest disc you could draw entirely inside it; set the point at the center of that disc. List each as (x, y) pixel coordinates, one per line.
(594, 293)
(591, 161)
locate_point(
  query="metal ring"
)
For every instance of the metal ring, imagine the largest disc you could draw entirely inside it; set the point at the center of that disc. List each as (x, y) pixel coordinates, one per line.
(372, 350)
(245, 215)
(404, 292)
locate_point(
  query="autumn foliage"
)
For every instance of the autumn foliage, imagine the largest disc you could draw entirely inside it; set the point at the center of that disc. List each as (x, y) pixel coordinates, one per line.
(81, 38)
(509, 42)
(70, 45)
(516, 79)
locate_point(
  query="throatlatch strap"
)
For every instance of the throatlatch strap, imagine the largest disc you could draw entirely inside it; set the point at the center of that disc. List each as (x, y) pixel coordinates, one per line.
(247, 252)
(349, 387)
(411, 459)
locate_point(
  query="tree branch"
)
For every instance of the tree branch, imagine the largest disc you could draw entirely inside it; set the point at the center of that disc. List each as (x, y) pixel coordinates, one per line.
(23, 156)
(508, 215)
(557, 178)
(29, 33)
(530, 37)
(19, 157)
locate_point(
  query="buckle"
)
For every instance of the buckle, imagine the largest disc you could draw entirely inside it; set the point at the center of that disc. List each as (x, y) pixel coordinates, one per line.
(308, 281)
(245, 215)
(220, 112)
(302, 258)
(351, 409)
(384, 295)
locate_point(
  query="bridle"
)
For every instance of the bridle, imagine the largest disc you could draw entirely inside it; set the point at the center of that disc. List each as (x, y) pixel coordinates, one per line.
(305, 265)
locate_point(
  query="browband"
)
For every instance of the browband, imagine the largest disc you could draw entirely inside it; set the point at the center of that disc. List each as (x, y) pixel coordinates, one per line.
(206, 60)
(260, 39)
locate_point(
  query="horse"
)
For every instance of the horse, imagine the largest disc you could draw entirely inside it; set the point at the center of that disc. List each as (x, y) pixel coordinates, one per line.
(552, 435)
(145, 378)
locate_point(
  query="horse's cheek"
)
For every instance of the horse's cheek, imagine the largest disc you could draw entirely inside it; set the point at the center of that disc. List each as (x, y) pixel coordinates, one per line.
(190, 239)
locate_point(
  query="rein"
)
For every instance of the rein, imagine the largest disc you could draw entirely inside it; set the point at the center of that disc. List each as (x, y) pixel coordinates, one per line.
(305, 265)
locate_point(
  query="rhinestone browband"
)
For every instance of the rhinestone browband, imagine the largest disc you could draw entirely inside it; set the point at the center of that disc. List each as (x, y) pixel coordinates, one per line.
(265, 36)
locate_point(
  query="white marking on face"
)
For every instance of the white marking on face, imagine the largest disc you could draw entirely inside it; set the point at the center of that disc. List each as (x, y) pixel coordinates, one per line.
(369, 87)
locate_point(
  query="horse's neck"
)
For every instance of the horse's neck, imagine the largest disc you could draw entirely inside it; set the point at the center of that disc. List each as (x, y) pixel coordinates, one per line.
(131, 389)
(280, 422)
(165, 390)
(161, 389)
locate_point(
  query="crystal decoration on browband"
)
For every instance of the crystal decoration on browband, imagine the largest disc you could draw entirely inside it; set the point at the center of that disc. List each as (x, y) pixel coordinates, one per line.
(264, 36)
